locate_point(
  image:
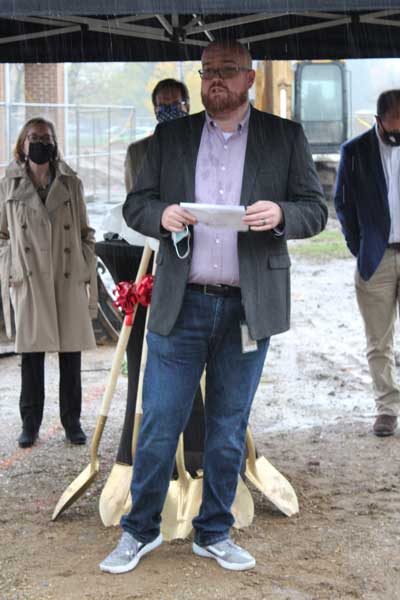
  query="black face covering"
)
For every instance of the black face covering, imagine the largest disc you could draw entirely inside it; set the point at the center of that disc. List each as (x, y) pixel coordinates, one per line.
(40, 153)
(391, 138)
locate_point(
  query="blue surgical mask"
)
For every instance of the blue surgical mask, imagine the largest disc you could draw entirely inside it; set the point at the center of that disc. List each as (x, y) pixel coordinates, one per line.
(179, 236)
(169, 112)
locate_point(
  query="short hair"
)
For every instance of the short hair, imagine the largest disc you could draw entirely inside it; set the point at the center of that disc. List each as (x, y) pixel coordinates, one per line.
(231, 44)
(168, 84)
(388, 104)
(18, 151)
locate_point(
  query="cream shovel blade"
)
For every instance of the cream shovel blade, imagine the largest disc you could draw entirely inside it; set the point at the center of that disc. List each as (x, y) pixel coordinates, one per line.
(270, 481)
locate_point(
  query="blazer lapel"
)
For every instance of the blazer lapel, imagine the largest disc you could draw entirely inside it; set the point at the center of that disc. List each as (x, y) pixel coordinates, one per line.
(258, 147)
(191, 146)
(377, 172)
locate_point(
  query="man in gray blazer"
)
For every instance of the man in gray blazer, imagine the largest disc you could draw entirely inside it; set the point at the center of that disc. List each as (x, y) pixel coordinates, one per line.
(218, 294)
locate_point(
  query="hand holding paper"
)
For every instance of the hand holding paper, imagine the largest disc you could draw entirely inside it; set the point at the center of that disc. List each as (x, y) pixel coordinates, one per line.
(263, 215)
(217, 215)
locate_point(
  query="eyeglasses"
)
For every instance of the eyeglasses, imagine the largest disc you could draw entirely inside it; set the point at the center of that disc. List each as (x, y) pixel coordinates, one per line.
(222, 72)
(45, 139)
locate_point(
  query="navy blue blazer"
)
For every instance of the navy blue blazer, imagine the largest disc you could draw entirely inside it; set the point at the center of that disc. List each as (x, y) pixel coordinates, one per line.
(361, 201)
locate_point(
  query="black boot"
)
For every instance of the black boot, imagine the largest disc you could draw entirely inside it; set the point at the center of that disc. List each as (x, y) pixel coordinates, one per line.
(27, 437)
(75, 434)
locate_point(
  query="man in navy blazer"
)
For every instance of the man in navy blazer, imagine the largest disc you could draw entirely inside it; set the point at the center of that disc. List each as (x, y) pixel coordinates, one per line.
(367, 202)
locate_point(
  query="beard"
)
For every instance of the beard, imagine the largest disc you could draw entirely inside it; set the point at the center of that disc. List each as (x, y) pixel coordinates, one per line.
(225, 102)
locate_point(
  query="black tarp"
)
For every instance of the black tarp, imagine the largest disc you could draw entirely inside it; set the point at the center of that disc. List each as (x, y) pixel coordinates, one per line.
(153, 30)
(127, 7)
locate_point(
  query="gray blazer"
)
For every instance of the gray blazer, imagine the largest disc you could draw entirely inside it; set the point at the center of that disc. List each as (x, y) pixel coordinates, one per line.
(134, 160)
(278, 167)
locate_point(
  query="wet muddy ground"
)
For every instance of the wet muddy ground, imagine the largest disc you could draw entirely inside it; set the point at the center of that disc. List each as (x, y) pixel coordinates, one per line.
(311, 418)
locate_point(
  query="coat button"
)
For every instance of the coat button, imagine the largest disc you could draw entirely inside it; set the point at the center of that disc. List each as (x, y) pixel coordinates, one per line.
(67, 227)
(27, 249)
(24, 226)
(67, 250)
(29, 273)
(66, 275)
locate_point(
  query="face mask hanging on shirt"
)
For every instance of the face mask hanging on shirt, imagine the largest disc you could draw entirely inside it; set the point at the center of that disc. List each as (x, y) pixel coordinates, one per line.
(180, 236)
(169, 112)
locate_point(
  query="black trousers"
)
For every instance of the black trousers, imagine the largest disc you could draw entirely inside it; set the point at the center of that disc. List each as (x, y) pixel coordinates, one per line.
(32, 389)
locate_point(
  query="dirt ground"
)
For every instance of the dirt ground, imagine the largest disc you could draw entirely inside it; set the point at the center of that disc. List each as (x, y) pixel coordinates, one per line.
(311, 418)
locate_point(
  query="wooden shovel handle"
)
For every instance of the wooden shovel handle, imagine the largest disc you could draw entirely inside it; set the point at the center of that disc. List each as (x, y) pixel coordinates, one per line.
(143, 360)
(251, 449)
(183, 475)
(117, 362)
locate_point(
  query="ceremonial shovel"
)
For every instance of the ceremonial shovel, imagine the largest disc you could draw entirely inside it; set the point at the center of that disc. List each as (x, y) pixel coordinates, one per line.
(184, 497)
(115, 499)
(84, 480)
(183, 500)
(269, 481)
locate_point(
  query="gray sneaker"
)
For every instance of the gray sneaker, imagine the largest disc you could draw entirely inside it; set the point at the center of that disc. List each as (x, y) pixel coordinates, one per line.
(227, 554)
(127, 554)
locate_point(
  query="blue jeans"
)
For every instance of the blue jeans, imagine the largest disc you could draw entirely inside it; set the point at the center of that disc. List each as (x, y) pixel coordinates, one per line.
(206, 335)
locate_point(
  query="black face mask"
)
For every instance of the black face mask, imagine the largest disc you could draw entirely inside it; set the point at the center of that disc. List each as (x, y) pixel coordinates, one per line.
(391, 138)
(40, 153)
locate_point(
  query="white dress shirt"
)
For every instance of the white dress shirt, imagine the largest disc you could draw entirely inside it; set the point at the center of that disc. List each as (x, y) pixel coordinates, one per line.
(390, 156)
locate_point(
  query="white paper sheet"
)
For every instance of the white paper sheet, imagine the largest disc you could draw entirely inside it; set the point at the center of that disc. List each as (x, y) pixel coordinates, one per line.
(218, 215)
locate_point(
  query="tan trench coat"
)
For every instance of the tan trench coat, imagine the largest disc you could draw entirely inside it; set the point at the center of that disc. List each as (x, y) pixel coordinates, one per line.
(47, 262)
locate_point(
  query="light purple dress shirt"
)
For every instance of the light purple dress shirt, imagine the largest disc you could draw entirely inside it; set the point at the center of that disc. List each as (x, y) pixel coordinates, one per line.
(219, 174)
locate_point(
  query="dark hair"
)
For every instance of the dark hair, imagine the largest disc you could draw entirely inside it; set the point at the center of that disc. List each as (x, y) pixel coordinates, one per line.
(168, 84)
(18, 149)
(388, 104)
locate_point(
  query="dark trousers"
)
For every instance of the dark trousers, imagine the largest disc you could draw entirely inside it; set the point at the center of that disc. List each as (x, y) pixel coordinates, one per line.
(32, 389)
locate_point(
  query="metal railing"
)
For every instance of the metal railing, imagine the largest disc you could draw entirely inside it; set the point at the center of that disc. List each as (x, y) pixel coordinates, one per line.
(92, 138)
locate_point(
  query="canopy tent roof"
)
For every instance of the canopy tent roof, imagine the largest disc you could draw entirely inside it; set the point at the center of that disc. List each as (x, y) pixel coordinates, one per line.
(154, 30)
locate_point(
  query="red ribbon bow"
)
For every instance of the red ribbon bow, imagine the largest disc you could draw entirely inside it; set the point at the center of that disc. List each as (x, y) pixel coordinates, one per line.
(128, 294)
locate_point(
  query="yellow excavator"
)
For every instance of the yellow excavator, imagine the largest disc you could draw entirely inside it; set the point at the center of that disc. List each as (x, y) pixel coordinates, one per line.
(316, 94)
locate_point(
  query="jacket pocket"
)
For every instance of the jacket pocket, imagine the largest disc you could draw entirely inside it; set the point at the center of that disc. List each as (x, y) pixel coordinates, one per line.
(279, 261)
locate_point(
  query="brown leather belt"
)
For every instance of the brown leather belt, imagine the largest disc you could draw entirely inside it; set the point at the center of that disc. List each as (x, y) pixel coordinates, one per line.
(395, 246)
(213, 289)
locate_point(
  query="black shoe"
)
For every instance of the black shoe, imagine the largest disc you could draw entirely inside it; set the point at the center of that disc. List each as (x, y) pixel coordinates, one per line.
(75, 435)
(385, 425)
(27, 438)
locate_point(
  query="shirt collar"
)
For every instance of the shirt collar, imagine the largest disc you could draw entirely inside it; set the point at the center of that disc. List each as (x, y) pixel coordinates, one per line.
(243, 123)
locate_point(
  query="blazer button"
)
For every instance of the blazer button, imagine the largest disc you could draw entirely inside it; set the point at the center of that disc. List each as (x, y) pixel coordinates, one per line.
(66, 275)
(67, 227)
(67, 250)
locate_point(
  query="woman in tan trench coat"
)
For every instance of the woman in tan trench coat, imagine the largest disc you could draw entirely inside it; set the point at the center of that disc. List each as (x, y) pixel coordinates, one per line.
(48, 267)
